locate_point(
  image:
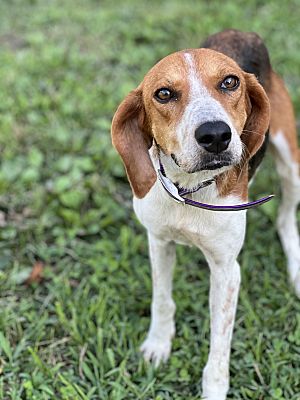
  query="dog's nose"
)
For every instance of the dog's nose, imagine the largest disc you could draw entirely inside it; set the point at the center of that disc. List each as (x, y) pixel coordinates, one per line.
(213, 136)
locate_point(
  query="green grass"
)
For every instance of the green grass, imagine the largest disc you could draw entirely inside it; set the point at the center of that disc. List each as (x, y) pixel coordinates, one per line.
(64, 200)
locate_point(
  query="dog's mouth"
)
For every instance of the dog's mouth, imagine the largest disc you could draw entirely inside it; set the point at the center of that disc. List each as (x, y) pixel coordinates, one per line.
(207, 163)
(215, 164)
(175, 160)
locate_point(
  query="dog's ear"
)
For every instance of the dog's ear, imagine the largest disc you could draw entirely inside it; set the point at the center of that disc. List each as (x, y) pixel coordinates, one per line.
(258, 120)
(131, 136)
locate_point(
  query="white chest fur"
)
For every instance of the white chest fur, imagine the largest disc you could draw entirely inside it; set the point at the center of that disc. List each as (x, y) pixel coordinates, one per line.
(171, 221)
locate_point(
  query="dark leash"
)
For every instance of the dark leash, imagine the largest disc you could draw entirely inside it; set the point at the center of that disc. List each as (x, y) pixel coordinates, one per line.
(177, 193)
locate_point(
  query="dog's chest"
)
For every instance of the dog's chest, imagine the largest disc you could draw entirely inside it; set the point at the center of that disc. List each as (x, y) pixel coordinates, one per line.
(184, 224)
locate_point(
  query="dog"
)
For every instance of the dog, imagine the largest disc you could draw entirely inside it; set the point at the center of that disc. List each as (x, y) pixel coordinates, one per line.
(198, 124)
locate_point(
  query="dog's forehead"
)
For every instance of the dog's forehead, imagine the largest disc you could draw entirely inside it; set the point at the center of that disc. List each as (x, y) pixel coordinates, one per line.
(171, 68)
(211, 61)
(204, 62)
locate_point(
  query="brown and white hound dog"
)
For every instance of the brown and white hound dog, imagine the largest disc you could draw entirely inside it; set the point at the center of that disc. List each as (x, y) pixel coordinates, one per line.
(204, 114)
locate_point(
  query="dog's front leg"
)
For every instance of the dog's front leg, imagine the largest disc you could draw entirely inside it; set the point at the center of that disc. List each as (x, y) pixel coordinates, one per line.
(157, 346)
(224, 289)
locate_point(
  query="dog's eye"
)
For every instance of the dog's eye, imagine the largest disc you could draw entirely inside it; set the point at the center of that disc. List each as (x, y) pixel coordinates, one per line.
(231, 82)
(164, 95)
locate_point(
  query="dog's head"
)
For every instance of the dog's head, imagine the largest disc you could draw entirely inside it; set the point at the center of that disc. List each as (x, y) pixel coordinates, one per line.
(202, 110)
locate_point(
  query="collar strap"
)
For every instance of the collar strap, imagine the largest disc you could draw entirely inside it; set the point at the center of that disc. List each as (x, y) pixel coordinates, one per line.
(183, 191)
(177, 194)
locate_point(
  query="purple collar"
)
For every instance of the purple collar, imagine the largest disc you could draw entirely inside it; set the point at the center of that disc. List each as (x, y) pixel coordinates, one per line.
(177, 194)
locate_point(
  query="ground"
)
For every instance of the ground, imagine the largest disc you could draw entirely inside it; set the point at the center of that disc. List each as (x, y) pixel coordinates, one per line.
(74, 270)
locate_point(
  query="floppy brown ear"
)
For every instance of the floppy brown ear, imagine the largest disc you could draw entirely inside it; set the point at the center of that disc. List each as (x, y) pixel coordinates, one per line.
(258, 120)
(132, 138)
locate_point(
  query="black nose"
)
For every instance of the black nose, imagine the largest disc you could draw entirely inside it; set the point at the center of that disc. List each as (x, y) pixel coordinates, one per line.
(213, 136)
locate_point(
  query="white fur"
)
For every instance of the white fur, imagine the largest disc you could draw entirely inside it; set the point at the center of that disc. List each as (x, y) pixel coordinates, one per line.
(287, 218)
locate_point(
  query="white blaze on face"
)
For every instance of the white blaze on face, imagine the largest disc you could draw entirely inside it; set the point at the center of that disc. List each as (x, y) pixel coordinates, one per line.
(201, 108)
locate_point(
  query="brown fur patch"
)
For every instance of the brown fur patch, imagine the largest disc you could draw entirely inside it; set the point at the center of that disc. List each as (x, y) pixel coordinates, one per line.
(258, 119)
(171, 72)
(282, 114)
(234, 181)
(132, 139)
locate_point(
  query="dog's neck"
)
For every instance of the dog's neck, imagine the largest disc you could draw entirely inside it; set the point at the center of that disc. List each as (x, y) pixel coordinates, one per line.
(177, 175)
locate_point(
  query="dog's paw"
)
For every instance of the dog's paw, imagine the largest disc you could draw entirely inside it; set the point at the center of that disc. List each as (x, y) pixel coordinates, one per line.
(294, 274)
(156, 349)
(213, 395)
(296, 284)
(215, 382)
